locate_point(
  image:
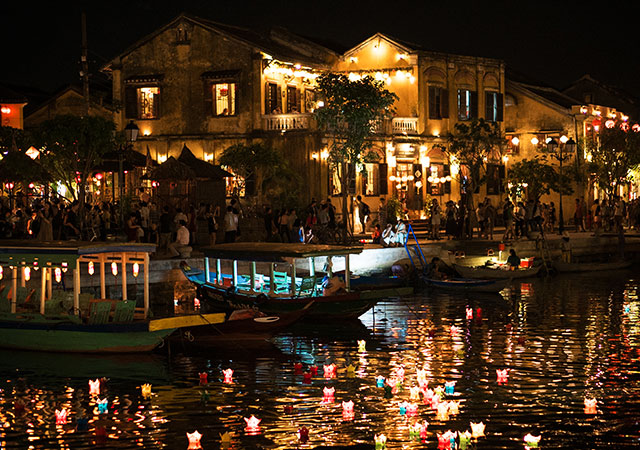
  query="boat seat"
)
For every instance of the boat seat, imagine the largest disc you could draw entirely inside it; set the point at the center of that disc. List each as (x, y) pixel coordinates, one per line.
(124, 311)
(307, 287)
(280, 281)
(99, 313)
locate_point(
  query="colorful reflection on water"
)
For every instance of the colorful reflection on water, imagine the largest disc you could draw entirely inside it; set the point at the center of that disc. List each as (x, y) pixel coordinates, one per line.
(521, 364)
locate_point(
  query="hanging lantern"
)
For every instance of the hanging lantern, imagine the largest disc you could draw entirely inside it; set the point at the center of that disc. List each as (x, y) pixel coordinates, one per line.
(136, 270)
(35, 265)
(58, 274)
(114, 269)
(64, 266)
(27, 273)
(91, 268)
(610, 123)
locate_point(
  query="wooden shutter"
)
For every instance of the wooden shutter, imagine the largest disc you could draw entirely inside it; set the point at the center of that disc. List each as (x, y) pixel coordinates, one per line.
(382, 179)
(207, 94)
(433, 114)
(488, 106)
(157, 104)
(474, 105)
(500, 114)
(444, 103)
(267, 94)
(279, 98)
(131, 102)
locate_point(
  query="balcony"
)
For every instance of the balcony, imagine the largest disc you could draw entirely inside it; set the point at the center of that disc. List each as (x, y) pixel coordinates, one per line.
(286, 122)
(404, 125)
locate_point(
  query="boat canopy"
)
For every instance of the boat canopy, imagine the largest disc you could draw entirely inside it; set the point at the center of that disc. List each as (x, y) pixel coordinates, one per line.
(276, 251)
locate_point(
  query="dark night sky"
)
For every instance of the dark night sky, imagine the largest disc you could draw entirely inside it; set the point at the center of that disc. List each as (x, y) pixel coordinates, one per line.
(554, 42)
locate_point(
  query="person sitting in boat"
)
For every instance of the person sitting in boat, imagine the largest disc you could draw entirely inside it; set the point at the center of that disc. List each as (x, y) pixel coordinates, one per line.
(388, 237)
(435, 270)
(513, 261)
(332, 286)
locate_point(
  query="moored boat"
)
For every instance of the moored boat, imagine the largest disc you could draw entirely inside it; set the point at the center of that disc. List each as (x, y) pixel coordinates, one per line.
(35, 316)
(564, 267)
(467, 285)
(490, 273)
(274, 292)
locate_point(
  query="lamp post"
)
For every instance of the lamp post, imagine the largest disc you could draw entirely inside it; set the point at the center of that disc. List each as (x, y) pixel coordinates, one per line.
(556, 151)
(131, 133)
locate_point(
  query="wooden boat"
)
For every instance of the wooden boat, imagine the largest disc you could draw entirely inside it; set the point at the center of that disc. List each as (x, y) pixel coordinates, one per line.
(274, 292)
(467, 284)
(590, 267)
(488, 273)
(78, 322)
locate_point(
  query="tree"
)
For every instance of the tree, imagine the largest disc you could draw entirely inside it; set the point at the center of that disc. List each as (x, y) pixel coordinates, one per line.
(613, 152)
(538, 177)
(254, 163)
(352, 109)
(473, 144)
(71, 147)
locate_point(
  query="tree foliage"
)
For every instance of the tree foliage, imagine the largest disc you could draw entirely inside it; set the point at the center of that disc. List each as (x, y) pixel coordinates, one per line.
(473, 144)
(613, 151)
(351, 112)
(539, 178)
(257, 163)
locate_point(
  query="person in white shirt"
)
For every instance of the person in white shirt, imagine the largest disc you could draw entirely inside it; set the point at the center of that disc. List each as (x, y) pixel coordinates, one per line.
(182, 240)
(230, 225)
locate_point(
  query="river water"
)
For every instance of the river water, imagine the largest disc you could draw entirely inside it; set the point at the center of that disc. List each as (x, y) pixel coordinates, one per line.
(561, 339)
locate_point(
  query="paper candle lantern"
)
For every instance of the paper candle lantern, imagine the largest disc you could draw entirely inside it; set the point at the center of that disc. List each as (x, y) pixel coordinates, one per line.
(61, 416)
(454, 330)
(463, 440)
(330, 371)
(443, 412)
(414, 430)
(449, 387)
(362, 346)
(136, 270)
(194, 440)
(503, 376)
(225, 438)
(439, 391)
(114, 269)
(454, 407)
(400, 373)
(421, 374)
(414, 393)
(412, 409)
(435, 401)
(303, 434)
(532, 441)
(423, 429)
(477, 430)
(351, 371)
(27, 273)
(203, 378)
(469, 313)
(347, 407)
(313, 370)
(381, 441)
(444, 441)
(328, 395)
(402, 408)
(90, 268)
(380, 381)
(306, 377)
(590, 405)
(228, 376)
(94, 387)
(146, 390)
(297, 368)
(102, 406)
(253, 423)
(57, 272)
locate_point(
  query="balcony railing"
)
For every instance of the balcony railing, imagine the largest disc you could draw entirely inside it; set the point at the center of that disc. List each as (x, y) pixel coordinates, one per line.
(285, 122)
(404, 125)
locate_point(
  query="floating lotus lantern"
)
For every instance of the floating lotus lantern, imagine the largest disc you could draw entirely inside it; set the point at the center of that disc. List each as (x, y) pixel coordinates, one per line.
(421, 374)
(502, 375)
(477, 430)
(412, 409)
(449, 387)
(225, 439)
(590, 405)
(61, 416)
(103, 405)
(443, 412)
(463, 440)
(297, 368)
(423, 430)
(228, 375)
(414, 393)
(306, 377)
(351, 371)
(94, 387)
(362, 346)
(455, 330)
(330, 371)
(444, 441)
(328, 395)
(454, 407)
(314, 371)
(435, 401)
(253, 424)
(380, 381)
(469, 313)
(303, 434)
(347, 407)
(439, 391)
(146, 390)
(381, 441)
(414, 430)
(194, 440)
(403, 408)
(532, 441)
(203, 378)
(400, 373)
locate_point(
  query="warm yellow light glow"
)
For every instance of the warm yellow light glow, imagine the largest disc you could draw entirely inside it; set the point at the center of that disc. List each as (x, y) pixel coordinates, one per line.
(589, 157)
(597, 112)
(353, 59)
(547, 140)
(564, 139)
(208, 157)
(425, 161)
(418, 184)
(505, 159)
(146, 132)
(515, 140)
(392, 178)
(90, 268)
(314, 155)
(324, 154)
(402, 56)
(612, 114)
(136, 270)
(354, 76)
(27, 273)
(535, 141)
(114, 269)
(584, 110)
(455, 168)
(162, 158)
(391, 160)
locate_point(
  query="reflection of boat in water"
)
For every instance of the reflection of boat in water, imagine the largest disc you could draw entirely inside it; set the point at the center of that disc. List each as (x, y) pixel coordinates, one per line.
(489, 273)
(564, 267)
(467, 284)
(150, 368)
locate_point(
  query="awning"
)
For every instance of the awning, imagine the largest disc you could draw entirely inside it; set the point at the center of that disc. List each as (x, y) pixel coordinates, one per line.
(276, 251)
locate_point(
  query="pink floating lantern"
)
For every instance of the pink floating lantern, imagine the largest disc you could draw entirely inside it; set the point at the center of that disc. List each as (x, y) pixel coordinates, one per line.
(423, 429)
(61, 416)
(306, 377)
(381, 441)
(328, 395)
(454, 330)
(194, 440)
(94, 387)
(590, 405)
(443, 412)
(253, 424)
(303, 434)
(330, 371)
(228, 375)
(297, 368)
(444, 441)
(454, 407)
(412, 409)
(347, 407)
(314, 371)
(502, 375)
(469, 313)
(203, 378)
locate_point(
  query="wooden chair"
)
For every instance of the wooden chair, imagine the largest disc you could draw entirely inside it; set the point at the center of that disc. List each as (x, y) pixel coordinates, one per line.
(307, 287)
(99, 313)
(124, 311)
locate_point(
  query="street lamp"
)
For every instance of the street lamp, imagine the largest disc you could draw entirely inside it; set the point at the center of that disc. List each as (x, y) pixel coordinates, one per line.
(131, 133)
(556, 151)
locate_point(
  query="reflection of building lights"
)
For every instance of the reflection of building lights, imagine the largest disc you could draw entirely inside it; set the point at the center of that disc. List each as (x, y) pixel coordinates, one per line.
(314, 155)
(324, 154)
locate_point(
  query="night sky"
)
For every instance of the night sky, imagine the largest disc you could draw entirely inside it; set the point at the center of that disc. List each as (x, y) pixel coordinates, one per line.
(554, 42)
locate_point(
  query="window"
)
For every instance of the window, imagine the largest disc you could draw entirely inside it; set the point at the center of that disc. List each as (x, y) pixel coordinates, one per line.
(293, 100)
(438, 103)
(309, 100)
(142, 102)
(467, 104)
(224, 99)
(493, 106)
(371, 179)
(335, 180)
(234, 186)
(272, 99)
(495, 179)
(513, 144)
(439, 179)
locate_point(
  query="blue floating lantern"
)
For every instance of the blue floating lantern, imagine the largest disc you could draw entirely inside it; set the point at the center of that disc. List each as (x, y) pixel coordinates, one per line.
(102, 406)
(403, 409)
(449, 387)
(380, 381)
